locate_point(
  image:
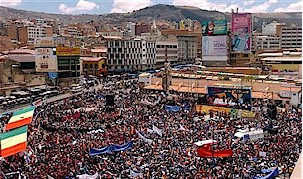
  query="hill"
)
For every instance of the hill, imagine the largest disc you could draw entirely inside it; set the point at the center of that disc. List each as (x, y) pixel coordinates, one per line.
(160, 12)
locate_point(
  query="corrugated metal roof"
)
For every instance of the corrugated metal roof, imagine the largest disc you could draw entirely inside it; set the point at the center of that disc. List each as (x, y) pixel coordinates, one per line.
(22, 58)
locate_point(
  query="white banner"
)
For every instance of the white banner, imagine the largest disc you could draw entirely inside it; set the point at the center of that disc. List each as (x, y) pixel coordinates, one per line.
(157, 130)
(214, 46)
(45, 60)
(86, 176)
(149, 141)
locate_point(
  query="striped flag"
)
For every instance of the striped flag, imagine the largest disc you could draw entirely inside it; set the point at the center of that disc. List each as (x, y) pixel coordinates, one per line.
(20, 118)
(13, 142)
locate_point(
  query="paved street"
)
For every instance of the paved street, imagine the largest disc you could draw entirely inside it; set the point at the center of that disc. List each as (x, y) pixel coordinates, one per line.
(51, 99)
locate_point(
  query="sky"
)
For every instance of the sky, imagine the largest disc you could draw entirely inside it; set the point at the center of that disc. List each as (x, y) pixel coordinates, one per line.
(124, 6)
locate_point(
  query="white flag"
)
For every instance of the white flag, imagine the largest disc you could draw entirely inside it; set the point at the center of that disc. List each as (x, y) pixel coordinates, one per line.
(182, 128)
(157, 130)
(135, 174)
(149, 141)
(86, 176)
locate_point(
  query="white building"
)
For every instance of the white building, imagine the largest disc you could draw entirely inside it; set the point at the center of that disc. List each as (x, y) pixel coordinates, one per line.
(266, 42)
(187, 48)
(131, 28)
(271, 28)
(35, 32)
(130, 55)
(166, 51)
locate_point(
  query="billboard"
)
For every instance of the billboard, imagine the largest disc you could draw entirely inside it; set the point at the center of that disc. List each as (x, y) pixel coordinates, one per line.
(215, 27)
(44, 42)
(214, 45)
(45, 60)
(234, 97)
(241, 27)
(234, 112)
(67, 51)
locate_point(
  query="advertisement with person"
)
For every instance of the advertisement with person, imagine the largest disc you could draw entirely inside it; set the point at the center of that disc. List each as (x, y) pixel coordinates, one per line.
(214, 46)
(239, 98)
(45, 60)
(241, 27)
(204, 25)
(215, 27)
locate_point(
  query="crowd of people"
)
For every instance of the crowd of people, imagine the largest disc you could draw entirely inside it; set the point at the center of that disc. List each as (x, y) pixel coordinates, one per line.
(62, 133)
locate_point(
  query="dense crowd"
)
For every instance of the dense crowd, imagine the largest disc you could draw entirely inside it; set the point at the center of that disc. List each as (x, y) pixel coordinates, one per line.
(58, 146)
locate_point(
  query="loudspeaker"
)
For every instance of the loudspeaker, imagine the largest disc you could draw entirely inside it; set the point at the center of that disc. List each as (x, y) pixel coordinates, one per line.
(110, 100)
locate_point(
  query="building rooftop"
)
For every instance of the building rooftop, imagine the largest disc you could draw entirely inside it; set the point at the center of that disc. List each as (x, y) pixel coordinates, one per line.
(112, 37)
(91, 59)
(99, 50)
(285, 59)
(22, 58)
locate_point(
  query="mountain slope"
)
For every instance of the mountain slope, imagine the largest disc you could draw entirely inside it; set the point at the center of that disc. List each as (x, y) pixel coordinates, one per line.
(160, 12)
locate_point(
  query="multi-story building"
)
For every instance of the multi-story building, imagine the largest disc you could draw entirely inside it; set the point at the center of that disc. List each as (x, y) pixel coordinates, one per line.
(187, 48)
(131, 28)
(166, 50)
(130, 55)
(94, 66)
(68, 62)
(28, 34)
(271, 28)
(142, 28)
(265, 42)
(198, 36)
(291, 36)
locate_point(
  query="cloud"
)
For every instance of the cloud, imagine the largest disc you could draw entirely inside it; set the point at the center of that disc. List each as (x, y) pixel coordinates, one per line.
(81, 6)
(294, 7)
(248, 2)
(207, 5)
(10, 3)
(261, 7)
(122, 6)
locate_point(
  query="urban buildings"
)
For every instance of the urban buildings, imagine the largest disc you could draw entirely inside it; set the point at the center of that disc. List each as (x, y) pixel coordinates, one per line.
(166, 50)
(187, 48)
(130, 54)
(291, 36)
(266, 42)
(68, 62)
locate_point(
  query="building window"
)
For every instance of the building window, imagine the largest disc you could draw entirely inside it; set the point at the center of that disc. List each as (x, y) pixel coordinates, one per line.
(90, 65)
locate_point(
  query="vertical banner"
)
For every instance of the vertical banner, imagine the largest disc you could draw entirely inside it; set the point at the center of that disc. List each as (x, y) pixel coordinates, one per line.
(241, 27)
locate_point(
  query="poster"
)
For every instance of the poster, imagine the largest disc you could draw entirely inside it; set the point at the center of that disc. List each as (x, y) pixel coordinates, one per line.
(234, 112)
(67, 51)
(214, 46)
(239, 98)
(45, 61)
(215, 27)
(241, 28)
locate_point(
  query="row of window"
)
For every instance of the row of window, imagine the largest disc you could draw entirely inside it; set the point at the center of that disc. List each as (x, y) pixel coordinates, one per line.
(130, 61)
(130, 67)
(167, 46)
(68, 68)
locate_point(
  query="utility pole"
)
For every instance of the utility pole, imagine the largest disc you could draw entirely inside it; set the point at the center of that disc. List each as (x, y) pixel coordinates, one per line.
(166, 78)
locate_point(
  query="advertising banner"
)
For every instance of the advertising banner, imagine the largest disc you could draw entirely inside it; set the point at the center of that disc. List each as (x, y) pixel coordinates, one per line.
(215, 27)
(234, 112)
(214, 46)
(44, 42)
(45, 60)
(239, 98)
(241, 27)
(67, 51)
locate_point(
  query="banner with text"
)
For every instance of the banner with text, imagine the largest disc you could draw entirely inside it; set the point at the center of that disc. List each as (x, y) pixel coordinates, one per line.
(214, 46)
